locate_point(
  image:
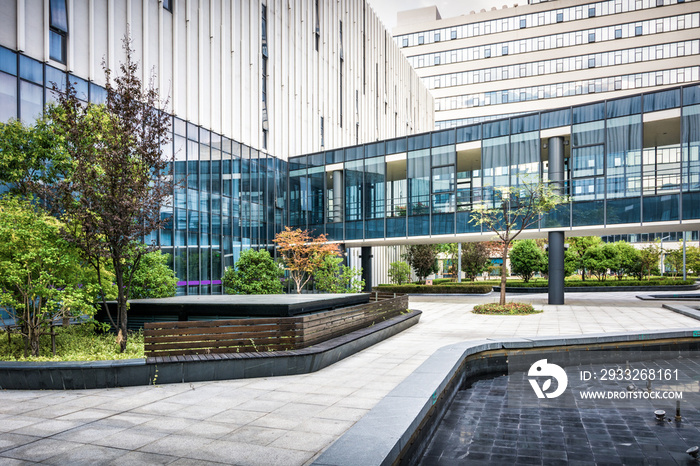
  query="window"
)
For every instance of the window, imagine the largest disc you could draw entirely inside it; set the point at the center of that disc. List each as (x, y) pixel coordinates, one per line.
(421, 40)
(504, 50)
(487, 53)
(168, 5)
(618, 33)
(453, 34)
(322, 132)
(591, 12)
(263, 77)
(591, 62)
(58, 30)
(437, 59)
(404, 42)
(340, 67)
(591, 37)
(436, 37)
(523, 23)
(560, 17)
(661, 2)
(618, 84)
(637, 30)
(317, 29)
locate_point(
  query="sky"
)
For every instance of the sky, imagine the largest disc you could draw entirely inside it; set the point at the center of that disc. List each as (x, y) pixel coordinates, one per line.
(386, 9)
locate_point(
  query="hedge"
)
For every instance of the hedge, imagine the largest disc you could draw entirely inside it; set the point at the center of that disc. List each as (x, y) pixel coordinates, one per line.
(595, 282)
(427, 289)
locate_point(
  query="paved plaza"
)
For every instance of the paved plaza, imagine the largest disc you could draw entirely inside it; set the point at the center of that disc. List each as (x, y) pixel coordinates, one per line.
(283, 420)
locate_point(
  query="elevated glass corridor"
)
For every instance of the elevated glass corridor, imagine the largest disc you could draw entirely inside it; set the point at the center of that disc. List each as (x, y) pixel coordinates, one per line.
(629, 163)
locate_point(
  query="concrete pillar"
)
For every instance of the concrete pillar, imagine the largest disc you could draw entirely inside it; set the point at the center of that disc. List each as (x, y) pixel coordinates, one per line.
(459, 262)
(556, 238)
(366, 261)
(337, 196)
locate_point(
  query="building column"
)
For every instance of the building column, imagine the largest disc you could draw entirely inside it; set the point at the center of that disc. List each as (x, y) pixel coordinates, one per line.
(337, 196)
(459, 262)
(556, 238)
(366, 261)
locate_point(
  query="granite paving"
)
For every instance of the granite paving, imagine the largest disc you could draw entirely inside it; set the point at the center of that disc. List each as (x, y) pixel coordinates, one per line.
(283, 420)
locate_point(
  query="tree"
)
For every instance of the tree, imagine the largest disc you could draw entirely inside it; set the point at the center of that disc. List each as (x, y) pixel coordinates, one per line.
(302, 254)
(32, 157)
(334, 277)
(399, 272)
(526, 258)
(422, 258)
(475, 259)
(119, 183)
(515, 209)
(153, 278)
(692, 258)
(628, 258)
(578, 247)
(602, 258)
(255, 272)
(649, 258)
(41, 276)
(451, 250)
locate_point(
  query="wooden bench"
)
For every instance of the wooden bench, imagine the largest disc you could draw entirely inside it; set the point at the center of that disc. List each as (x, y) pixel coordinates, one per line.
(266, 334)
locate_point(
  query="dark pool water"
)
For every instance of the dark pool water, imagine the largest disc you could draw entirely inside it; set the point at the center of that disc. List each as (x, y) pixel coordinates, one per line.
(487, 424)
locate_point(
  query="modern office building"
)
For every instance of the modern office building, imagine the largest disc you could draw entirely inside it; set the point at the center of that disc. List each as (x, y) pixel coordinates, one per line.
(250, 83)
(307, 114)
(532, 57)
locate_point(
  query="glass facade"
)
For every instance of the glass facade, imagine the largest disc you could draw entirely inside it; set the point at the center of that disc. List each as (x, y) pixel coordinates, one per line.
(628, 161)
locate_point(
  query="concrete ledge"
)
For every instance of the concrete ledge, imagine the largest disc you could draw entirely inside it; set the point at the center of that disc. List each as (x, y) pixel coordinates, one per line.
(685, 310)
(129, 372)
(399, 427)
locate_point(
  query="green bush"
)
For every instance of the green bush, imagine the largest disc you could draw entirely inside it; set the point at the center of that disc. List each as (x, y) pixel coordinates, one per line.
(399, 272)
(436, 289)
(334, 277)
(509, 309)
(153, 278)
(255, 272)
(579, 283)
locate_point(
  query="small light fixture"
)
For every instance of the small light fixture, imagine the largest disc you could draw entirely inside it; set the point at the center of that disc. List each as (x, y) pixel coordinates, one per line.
(693, 451)
(660, 414)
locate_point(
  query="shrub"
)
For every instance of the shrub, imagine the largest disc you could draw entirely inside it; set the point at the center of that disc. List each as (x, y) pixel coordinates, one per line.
(510, 309)
(334, 277)
(436, 289)
(254, 273)
(526, 258)
(399, 272)
(153, 278)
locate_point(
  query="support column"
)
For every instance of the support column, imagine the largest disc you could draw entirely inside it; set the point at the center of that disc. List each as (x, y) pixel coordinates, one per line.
(366, 261)
(459, 262)
(337, 196)
(556, 238)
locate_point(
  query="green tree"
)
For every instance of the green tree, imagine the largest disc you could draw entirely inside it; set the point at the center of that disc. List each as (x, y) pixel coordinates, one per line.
(422, 258)
(120, 178)
(628, 259)
(399, 272)
(649, 258)
(255, 272)
(512, 210)
(334, 277)
(601, 259)
(32, 158)
(577, 249)
(692, 259)
(526, 258)
(41, 277)
(475, 259)
(153, 278)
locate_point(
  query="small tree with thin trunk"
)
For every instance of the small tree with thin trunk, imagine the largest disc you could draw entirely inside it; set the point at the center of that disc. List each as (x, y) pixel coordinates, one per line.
(513, 210)
(475, 259)
(422, 258)
(119, 182)
(303, 254)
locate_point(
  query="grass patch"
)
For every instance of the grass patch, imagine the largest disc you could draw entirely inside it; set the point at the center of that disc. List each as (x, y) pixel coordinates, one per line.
(74, 343)
(508, 309)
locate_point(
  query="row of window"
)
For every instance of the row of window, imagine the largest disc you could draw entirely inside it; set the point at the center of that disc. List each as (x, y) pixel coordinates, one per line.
(653, 26)
(617, 57)
(530, 20)
(551, 91)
